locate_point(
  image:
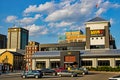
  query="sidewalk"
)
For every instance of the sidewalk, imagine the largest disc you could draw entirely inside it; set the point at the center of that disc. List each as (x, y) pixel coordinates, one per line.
(12, 73)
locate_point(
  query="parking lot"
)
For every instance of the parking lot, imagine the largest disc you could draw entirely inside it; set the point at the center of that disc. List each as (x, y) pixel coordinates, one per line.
(90, 76)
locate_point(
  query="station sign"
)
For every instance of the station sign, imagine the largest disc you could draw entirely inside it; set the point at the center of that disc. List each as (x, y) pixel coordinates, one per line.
(96, 33)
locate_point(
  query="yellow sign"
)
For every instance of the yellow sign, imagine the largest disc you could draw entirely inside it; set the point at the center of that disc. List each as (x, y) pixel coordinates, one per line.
(97, 32)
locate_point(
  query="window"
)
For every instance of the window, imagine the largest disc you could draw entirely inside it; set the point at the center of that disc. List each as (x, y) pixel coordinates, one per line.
(40, 64)
(55, 64)
(86, 63)
(103, 63)
(117, 62)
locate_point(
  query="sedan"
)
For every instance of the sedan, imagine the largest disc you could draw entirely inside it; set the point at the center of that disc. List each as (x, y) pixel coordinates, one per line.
(67, 73)
(82, 71)
(31, 73)
(47, 71)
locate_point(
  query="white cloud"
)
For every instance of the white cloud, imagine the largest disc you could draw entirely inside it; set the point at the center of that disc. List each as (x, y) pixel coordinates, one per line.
(100, 11)
(104, 6)
(111, 21)
(60, 15)
(72, 12)
(48, 6)
(29, 20)
(11, 19)
(36, 30)
(61, 24)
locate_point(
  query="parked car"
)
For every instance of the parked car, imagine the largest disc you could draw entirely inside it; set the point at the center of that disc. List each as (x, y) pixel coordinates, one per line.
(31, 73)
(59, 69)
(47, 71)
(82, 71)
(115, 78)
(66, 73)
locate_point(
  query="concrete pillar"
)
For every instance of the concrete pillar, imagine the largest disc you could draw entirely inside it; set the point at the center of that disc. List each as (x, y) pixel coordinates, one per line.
(48, 63)
(107, 37)
(112, 62)
(33, 64)
(94, 63)
(88, 38)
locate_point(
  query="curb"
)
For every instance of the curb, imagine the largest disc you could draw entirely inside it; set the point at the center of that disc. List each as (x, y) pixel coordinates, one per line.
(105, 72)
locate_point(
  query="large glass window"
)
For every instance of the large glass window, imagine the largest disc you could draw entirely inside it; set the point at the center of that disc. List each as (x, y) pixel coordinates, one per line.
(103, 63)
(117, 62)
(86, 63)
(40, 64)
(55, 64)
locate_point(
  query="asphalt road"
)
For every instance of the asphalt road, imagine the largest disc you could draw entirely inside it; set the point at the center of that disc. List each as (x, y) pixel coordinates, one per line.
(90, 76)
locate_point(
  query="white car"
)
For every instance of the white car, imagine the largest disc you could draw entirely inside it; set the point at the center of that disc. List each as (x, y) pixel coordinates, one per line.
(115, 78)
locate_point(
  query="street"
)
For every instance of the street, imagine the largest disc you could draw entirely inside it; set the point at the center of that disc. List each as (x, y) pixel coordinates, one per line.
(90, 76)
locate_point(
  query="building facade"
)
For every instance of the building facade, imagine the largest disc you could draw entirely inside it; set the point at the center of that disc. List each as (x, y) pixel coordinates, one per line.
(98, 50)
(31, 48)
(3, 41)
(98, 34)
(62, 46)
(84, 58)
(11, 61)
(17, 38)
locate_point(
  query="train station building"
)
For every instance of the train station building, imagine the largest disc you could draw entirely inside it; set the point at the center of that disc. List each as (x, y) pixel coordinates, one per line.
(95, 48)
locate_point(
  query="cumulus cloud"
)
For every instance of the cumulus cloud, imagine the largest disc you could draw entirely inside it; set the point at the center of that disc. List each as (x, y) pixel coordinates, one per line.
(11, 19)
(61, 24)
(72, 12)
(104, 6)
(61, 14)
(48, 6)
(29, 20)
(36, 30)
(111, 21)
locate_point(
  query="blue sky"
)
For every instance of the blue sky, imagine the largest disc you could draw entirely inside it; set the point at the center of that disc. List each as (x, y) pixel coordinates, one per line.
(46, 19)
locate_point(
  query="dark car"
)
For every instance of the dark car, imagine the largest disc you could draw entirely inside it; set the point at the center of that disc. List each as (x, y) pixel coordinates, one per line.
(47, 71)
(31, 74)
(67, 73)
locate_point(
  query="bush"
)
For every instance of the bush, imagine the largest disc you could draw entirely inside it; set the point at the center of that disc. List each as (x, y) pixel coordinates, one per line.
(104, 68)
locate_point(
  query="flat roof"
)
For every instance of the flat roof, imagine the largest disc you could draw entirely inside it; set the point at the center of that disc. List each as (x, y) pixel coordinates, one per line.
(83, 53)
(46, 54)
(113, 52)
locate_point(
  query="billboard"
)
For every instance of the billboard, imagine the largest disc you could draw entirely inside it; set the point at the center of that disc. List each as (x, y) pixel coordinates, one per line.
(97, 33)
(70, 59)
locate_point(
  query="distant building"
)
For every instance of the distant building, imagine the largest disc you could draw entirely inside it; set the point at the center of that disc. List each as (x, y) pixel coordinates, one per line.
(17, 38)
(3, 41)
(31, 48)
(72, 36)
(75, 36)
